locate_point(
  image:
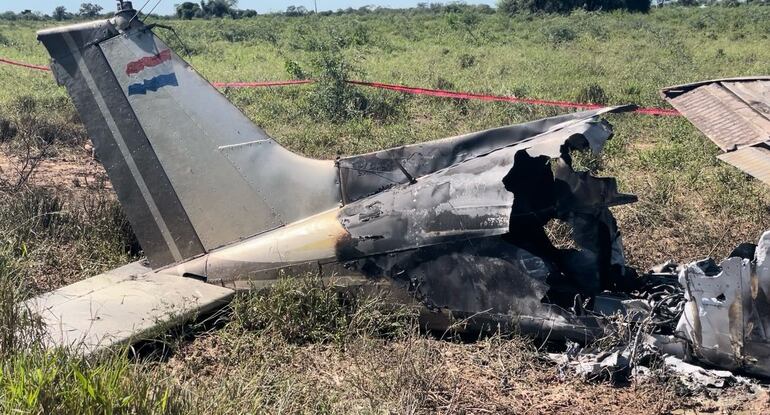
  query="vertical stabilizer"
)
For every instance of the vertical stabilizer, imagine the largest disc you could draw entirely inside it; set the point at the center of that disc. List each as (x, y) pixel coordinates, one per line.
(191, 171)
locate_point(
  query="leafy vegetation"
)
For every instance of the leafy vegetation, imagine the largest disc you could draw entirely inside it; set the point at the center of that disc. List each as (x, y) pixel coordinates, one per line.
(566, 6)
(305, 347)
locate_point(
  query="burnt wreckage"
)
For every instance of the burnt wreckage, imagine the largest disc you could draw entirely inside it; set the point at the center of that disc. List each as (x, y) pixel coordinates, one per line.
(455, 225)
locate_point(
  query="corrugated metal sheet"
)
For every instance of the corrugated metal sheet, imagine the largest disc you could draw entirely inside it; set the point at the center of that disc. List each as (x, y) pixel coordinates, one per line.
(752, 160)
(727, 112)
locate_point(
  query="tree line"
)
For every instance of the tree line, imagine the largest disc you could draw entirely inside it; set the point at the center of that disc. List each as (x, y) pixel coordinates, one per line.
(86, 11)
(205, 9)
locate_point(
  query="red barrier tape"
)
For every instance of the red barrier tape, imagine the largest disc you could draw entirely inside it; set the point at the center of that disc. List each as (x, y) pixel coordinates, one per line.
(260, 84)
(414, 90)
(25, 65)
(501, 98)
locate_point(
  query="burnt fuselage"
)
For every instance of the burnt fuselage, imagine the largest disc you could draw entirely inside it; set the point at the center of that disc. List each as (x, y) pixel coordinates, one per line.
(436, 222)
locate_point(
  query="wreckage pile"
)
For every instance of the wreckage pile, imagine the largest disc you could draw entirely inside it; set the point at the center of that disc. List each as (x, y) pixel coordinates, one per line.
(700, 312)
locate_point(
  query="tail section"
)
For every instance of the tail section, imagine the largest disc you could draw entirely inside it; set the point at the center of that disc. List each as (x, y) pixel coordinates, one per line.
(191, 171)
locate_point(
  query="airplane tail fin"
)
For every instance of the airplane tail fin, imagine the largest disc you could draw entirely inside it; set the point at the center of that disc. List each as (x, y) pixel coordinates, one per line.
(191, 171)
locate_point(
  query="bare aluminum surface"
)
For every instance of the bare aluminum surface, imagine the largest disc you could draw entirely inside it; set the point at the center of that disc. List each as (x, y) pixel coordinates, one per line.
(230, 176)
(753, 160)
(121, 306)
(727, 315)
(733, 113)
(713, 318)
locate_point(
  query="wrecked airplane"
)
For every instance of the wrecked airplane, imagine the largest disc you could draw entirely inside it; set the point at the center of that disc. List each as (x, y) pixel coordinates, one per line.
(456, 225)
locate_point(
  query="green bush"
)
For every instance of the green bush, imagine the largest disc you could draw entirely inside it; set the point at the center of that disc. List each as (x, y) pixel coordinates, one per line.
(512, 7)
(559, 34)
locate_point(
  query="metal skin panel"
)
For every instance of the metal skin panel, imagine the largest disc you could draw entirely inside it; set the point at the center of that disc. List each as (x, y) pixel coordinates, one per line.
(366, 174)
(713, 317)
(310, 177)
(726, 317)
(184, 126)
(465, 200)
(230, 176)
(720, 116)
(751, 160)
(734, 113)
(141, 185)
(754, 93)
(121, 306)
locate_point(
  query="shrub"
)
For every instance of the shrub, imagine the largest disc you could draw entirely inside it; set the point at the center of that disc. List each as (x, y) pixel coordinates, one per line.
(512, 7)
(294, 70)
(332, 97)
(560, 34)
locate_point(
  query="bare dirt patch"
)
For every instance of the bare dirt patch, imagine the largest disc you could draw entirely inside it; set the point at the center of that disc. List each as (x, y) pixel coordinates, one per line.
(72, 171)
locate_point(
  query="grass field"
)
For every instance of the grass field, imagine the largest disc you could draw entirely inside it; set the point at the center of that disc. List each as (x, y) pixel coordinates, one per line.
(689, 206)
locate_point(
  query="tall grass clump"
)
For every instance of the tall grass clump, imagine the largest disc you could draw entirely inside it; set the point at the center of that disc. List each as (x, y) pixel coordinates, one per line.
(60, 240)
(57, 382)
(308, 310)
(19, 328)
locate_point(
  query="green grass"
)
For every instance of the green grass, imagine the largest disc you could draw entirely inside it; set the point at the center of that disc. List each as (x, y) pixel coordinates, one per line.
(306, 349)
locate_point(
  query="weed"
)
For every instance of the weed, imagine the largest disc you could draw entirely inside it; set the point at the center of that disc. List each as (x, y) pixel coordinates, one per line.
(592, 93)
(295, 70)
(466, 61)
(305, 309)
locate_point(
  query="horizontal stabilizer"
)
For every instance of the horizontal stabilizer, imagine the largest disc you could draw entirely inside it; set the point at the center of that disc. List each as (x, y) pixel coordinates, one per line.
(120, 306)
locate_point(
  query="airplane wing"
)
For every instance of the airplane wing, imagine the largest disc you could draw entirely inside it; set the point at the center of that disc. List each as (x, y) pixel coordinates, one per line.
(121, 306)
(735, 114)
